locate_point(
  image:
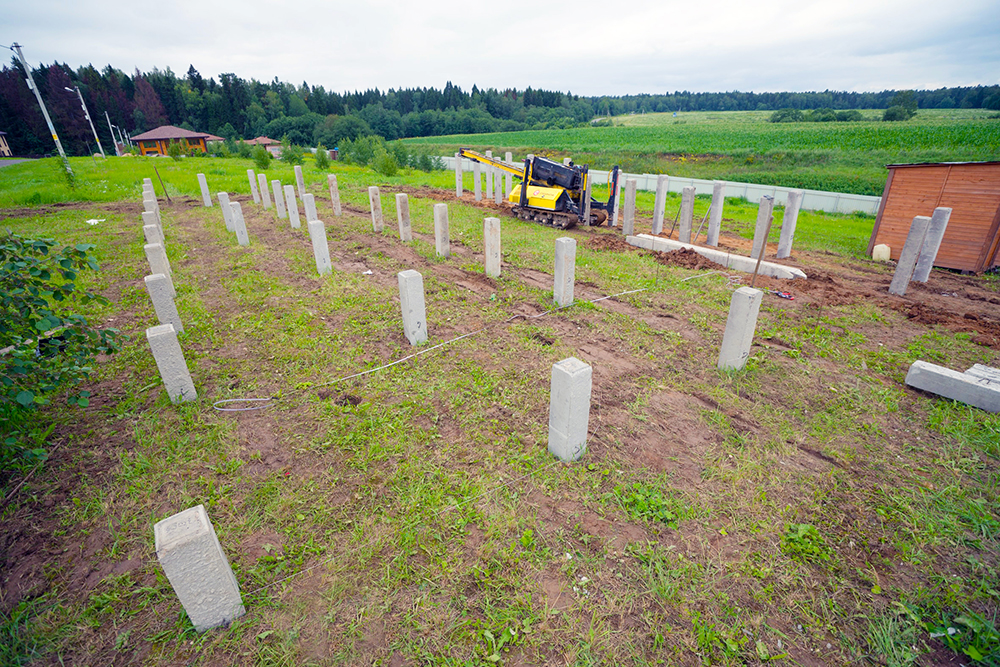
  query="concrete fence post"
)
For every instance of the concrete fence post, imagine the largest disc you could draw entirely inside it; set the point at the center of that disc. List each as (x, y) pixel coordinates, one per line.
(489, 176)
(158, 262)
(477, 187)
(227, 211)
(687, 214)
(618, 201)
(792, 205)
(411, 302)
(491, 236)
(764, 211)
(908, 255)
(265, 197)
(149, 220)
(321, 250)
(279, 199)
(403, 217)
(932, 243)
(239, 224)
(375, 202)
(293, 207)
(206, 197)
(569, 409)
(253, 186)
(309, 204)
(628, 222)
(715, 215)
(170, 362)
(299, 181)
(660, 205)
(459, 187)
(159, 288)
(442, 243)
(565, 273)
(334, 194)
(740, 327)
(197, 569)
(508, 178)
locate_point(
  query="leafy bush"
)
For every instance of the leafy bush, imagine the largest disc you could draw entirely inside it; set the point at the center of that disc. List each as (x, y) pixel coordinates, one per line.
(175, 150)
(261, 157)
(820, 116)
(849, 116)
(361, 151)
(47, 347)
(384, 162)
(322, 158)
(243, 150)
(786, 116)
(290, 153)
(898, 113)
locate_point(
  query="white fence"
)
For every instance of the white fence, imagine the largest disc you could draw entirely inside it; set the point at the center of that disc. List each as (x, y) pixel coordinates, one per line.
(812, 200)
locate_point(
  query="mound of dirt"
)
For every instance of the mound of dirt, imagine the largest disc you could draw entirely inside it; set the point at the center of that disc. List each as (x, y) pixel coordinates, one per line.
(687, 258)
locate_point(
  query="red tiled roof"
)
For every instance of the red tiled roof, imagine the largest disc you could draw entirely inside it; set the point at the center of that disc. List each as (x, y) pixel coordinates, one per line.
(212, 137)
(169, 132)
(263, 141)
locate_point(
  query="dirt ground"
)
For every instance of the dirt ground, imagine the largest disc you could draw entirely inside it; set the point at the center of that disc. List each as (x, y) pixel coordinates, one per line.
(33, 541)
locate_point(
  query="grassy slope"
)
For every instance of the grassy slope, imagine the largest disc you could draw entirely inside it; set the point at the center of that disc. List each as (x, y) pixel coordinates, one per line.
(437, 524)
(743, 146)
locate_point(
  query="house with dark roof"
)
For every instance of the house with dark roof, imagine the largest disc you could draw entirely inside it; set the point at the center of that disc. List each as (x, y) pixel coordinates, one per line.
(155, 142)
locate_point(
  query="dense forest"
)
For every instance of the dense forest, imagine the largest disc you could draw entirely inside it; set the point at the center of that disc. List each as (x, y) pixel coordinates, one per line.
(308, 115)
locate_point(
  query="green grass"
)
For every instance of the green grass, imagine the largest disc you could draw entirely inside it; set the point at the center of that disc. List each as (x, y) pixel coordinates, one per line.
(807, 509)
(744, 147)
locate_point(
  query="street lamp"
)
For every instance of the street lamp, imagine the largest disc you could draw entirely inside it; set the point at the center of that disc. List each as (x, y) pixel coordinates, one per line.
(86, 114)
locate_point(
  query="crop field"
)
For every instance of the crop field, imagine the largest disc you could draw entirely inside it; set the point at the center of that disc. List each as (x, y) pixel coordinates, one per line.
(743, 146)
(807, 510)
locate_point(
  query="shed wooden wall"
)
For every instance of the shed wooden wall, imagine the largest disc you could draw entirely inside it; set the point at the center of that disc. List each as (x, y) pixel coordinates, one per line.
(972, 191)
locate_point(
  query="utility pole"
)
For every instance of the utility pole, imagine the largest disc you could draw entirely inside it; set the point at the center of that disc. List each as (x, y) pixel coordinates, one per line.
(86, 114)
(112, 131)
(16, 48)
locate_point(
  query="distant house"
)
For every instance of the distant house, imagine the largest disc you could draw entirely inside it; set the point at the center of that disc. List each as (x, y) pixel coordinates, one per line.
(4, 148)
(155, 142)
(273, 147)
(212, 139)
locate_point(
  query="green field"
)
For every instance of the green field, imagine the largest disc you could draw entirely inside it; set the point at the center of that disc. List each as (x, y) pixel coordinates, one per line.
(806, 510)
(743, 146)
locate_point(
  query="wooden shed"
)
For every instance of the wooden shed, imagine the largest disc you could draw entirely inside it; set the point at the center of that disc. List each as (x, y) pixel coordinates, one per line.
(970, 189)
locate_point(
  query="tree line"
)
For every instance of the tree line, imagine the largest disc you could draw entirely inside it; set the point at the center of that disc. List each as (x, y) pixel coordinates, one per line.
(234, 108)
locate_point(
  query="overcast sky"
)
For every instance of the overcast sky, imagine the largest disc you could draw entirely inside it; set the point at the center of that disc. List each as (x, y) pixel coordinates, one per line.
(587, 47)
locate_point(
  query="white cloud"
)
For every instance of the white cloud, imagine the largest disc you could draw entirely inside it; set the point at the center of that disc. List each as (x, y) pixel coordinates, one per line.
(589, 47)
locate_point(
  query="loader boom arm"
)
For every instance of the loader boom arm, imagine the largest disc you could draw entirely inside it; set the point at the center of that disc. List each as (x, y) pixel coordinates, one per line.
(516, 170)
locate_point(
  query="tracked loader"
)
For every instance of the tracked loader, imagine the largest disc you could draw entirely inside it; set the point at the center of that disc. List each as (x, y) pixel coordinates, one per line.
(551, 193)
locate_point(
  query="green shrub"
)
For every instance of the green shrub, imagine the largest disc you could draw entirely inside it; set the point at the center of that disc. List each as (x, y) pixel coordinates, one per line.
(322, 158)
(49, 348)
(898, 113)
(290, 153)
(786, 116)
(361, 151)
(261, 157)
(175, 150)
(243, 150)
(384, 162)
(849, 116)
